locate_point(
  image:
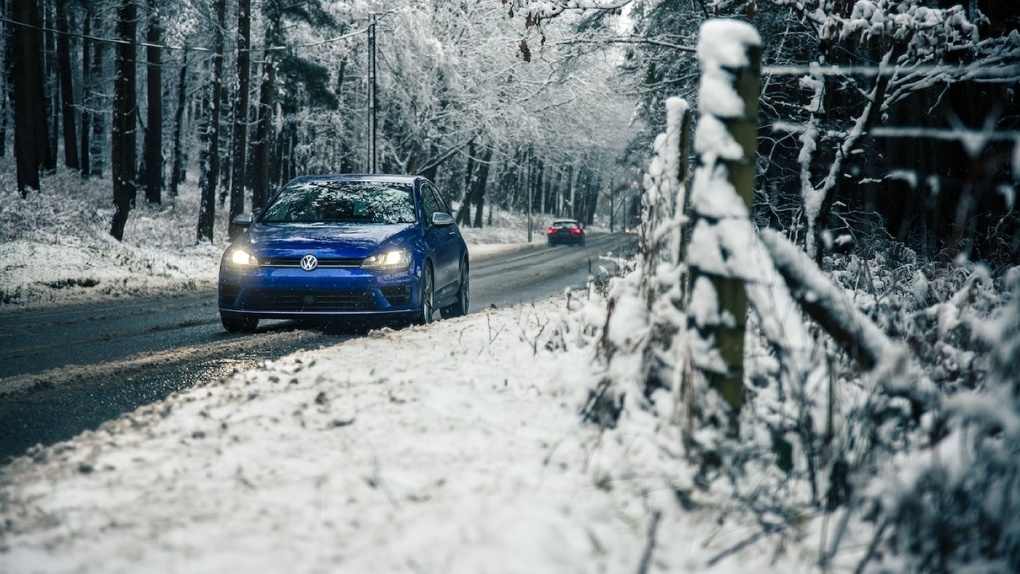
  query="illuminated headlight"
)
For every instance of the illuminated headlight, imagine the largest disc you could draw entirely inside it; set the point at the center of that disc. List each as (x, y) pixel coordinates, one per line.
(241, 258)
(394, 258)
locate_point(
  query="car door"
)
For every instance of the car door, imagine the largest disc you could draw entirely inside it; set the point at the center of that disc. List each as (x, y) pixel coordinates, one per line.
(443, 243)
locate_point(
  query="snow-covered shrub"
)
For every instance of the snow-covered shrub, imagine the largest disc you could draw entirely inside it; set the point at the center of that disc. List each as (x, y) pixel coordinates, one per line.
(880, 413)
(956, 503)
(639, 340)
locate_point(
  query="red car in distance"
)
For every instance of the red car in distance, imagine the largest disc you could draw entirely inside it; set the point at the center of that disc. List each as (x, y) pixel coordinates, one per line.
(566, 231)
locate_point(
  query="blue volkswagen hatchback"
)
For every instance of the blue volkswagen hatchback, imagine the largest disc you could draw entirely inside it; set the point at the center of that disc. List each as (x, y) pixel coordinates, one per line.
(354, 246)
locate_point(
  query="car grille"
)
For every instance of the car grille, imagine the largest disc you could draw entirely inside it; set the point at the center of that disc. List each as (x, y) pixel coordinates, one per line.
(302, 301)
(326, 263)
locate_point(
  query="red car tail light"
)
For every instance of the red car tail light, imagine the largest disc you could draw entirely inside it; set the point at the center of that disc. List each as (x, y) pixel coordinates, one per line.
(550, 231)
(576, 230)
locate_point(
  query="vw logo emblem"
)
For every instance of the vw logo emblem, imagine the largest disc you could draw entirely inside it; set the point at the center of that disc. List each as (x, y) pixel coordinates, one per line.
(309, 262)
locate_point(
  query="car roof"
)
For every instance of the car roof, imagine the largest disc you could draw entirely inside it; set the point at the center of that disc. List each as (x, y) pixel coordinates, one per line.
(564, 221)
(393, 178)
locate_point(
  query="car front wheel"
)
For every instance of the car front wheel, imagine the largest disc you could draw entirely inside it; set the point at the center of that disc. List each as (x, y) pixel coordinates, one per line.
(427, 306)
(239, 324)
(460, 308)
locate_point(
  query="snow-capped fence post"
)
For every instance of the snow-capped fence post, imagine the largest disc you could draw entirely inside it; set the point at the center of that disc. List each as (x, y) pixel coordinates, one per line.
(729, 52)
(663, 204)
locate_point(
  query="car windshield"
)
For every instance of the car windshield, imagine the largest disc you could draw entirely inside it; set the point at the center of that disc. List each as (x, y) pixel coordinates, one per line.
(342, 201)
(566, 224)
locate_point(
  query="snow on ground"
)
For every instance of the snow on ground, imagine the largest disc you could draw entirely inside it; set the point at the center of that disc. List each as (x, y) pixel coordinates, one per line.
(456, 447)
(451, 448)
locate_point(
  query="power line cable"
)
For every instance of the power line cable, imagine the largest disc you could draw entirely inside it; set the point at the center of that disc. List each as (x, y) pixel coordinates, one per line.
(975, 71)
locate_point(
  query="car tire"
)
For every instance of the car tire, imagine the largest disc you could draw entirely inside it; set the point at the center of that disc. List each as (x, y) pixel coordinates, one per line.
(239, 324)
(460, 308)
(427, 301)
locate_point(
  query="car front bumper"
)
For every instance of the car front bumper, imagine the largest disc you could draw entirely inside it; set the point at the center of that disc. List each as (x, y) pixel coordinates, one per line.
(289, 293)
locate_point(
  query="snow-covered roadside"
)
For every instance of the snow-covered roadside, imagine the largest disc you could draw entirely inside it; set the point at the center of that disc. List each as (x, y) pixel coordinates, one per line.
(451, 448)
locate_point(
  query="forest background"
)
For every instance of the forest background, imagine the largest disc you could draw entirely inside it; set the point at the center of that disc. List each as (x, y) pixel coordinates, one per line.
(549, 104)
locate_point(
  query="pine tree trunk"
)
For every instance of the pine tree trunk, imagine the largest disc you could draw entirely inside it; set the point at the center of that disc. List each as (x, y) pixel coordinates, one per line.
(464, 212)
(153, 176)
(52, 78)
(97, 102)
(478, 190)
(66, 88)
(29, 96)
(123, 153)
(263, 135)
(3, 119)
(86, 113)
(211, 153)
(177, 172)
(240, 143)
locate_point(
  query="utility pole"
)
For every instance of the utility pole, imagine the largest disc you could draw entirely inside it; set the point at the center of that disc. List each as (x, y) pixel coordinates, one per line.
(531, 191)
(372, 99)
(612, 206)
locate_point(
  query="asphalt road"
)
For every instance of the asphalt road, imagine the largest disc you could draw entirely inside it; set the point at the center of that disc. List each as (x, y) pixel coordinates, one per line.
(68, 369)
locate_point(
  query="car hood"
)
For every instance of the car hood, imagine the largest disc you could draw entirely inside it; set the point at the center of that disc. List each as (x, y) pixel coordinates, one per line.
(325, 240)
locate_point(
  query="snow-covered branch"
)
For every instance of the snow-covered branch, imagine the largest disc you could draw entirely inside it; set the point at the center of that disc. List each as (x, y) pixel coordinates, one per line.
(537, 10)
(828, 306)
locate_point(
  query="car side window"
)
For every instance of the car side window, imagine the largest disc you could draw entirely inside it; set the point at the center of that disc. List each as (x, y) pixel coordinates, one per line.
(443, 207)
(430, 203)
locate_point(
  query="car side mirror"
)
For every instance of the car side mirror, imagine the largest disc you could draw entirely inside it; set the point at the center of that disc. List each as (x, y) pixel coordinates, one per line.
(243, 220)
(238, 225)
(442, 219)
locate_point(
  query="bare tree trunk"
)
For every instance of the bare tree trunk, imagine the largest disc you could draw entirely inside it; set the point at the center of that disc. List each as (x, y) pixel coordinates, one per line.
(29, 96)
(830, 185)
(263, 135)
(153, 176)
(464, 212)
(211, 152)
(4, 113)
(86, 113)
(227, 104)
(51, 88)
(66, 88)
(177, 169)
(432, 169)
(97, 102)
(123, 154)
(478, 189)
(537, 176)
(546, 181)
(240, 143)
(263, 138)
(591, 199)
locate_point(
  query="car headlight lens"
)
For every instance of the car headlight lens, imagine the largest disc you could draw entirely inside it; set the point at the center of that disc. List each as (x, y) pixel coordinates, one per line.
(393, 258)
(241, 258)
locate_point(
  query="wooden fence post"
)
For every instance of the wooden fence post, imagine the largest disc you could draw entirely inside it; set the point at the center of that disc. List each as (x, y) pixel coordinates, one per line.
(729, 52)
